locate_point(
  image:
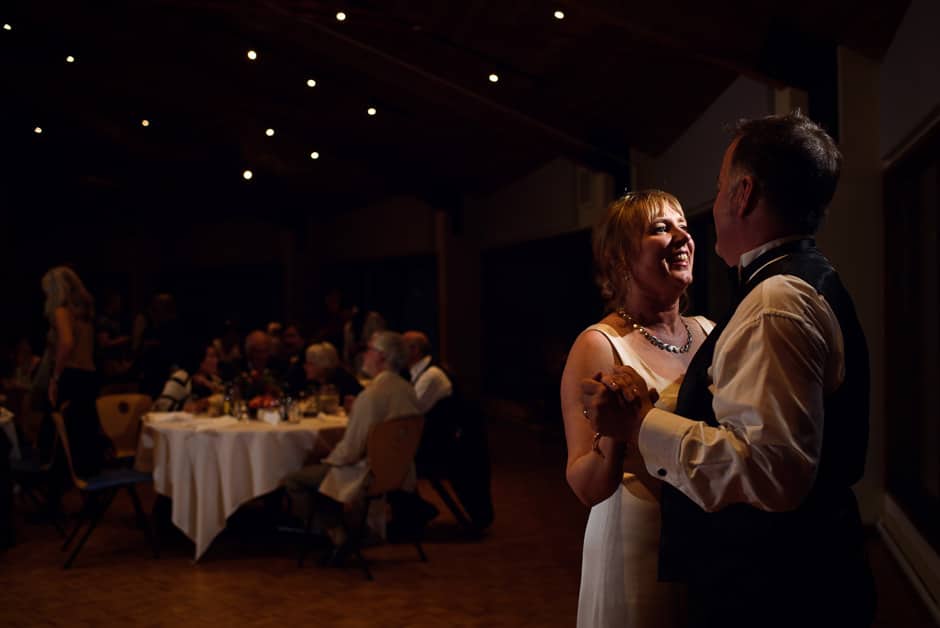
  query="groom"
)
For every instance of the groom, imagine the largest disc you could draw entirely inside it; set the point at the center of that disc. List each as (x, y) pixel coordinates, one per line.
(771, 426)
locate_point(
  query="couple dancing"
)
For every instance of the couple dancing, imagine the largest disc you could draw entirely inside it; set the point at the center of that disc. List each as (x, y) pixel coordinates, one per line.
(718, 461)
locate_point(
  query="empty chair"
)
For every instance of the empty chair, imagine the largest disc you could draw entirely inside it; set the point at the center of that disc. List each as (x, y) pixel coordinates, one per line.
(120, 420)
(98, 492)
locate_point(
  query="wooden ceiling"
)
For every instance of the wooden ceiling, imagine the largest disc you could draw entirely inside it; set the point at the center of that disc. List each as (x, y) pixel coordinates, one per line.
(611, 75)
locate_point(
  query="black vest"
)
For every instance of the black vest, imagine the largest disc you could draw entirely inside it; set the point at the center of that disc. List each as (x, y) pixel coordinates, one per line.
(740, 542)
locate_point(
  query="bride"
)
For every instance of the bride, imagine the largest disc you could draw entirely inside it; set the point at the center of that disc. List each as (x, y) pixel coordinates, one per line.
(644, 254)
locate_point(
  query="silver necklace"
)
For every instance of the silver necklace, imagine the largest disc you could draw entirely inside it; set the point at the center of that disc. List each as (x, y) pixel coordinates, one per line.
(656, 342)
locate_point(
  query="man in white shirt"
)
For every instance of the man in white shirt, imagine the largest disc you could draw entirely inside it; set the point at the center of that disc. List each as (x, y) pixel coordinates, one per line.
(340, 477)
(771, 426)
(430, 381)
(453, 446)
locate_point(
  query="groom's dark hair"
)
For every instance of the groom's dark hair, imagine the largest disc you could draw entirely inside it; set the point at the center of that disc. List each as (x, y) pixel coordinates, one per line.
(795, 164)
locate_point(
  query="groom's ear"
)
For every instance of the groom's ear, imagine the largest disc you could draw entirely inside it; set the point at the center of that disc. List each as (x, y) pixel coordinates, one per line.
(744, 195)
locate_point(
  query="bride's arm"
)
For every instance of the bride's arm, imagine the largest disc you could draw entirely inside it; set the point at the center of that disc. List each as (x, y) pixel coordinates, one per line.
(592, 475)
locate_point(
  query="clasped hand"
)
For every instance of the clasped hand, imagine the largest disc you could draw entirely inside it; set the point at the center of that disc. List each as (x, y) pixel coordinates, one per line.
(615, 403)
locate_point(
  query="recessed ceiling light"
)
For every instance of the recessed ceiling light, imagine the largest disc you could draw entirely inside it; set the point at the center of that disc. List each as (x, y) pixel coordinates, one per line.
(269, 132)
(70, 59)
(559, 15)
(37, 130)
(247, 175)
(371, 111)
(340, 17)
(145, 123)
(252, 55)
(314, 155)
(7, 27)
(311, 83)
(494, 78)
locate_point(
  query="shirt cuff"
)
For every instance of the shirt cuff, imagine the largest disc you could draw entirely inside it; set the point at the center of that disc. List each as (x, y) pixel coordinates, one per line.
(660, 442)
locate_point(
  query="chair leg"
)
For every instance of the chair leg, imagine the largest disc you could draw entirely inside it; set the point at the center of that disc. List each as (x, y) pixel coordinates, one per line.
(357, 553)
(96, 517)
(305, 541)
(89, 502)
(144, 521)
(356, 537)
(424, 557)
(450, 503)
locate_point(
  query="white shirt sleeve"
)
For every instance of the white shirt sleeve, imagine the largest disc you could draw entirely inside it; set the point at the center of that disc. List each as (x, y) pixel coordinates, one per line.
(432, 386)
(781, 352)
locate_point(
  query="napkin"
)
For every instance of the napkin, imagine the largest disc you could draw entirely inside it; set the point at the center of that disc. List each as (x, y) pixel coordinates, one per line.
(163, 417)
(201, 425)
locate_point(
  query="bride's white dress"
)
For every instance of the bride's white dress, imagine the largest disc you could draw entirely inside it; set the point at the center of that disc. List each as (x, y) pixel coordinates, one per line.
(619, 586)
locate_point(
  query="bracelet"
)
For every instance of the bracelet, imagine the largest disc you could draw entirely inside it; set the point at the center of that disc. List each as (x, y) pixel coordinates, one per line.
(596, 445)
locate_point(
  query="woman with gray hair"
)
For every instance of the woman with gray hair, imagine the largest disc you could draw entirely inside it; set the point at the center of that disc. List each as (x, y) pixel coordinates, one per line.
(70, 310)
(322, 367)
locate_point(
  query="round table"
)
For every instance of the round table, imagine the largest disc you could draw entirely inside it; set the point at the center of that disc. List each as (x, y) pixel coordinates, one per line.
(210, 467)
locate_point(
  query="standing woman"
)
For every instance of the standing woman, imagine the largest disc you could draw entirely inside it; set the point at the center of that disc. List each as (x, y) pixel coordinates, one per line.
(71, 310)
(644, 255)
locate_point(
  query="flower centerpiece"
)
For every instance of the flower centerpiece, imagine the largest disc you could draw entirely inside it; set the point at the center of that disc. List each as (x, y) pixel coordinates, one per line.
(259, 388)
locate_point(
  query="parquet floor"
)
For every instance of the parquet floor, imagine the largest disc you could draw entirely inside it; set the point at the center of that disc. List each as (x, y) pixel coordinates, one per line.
(523, 573)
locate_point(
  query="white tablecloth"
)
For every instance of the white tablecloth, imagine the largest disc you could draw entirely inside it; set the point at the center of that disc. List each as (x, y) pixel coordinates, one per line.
(6, 422)
(210, 467)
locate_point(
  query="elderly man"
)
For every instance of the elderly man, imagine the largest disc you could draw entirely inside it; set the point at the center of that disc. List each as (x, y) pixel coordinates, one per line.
(771, 424)
(430, 381)
(340, 477)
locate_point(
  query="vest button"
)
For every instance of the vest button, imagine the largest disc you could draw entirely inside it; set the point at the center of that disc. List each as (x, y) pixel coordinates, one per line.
(661, 473)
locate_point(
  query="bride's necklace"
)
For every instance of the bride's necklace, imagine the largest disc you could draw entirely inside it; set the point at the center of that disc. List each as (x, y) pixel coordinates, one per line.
(656, 342)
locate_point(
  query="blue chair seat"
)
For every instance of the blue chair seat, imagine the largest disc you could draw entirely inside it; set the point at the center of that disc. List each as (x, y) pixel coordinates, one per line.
(110, 478)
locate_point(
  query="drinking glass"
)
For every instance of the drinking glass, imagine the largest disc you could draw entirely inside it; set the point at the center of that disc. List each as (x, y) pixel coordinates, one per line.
(295, 411)
(329, 399)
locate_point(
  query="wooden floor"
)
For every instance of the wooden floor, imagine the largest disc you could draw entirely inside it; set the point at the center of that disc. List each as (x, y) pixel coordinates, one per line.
(523, 573)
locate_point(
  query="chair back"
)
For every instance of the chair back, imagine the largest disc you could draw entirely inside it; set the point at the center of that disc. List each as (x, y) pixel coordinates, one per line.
(120, 420)
(391, 451)
(59, 420)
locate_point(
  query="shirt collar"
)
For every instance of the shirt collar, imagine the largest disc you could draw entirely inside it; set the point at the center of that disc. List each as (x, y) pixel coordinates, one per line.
(419, 367)
(753, 254)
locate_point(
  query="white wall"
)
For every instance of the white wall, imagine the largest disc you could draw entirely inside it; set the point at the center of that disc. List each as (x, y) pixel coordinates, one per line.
(910, 75)
(689, 167)
(853, 238)
(544, 203)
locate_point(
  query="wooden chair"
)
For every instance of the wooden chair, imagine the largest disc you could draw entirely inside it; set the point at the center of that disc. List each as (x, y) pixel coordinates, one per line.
(98, 492)
(391, 450)
(120, 419)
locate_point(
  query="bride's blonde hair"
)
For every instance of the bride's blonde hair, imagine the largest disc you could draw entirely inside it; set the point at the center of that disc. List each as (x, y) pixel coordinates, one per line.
(617, 235)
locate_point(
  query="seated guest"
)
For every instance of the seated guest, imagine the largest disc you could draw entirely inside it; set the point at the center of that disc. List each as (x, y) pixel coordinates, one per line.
(453, 444)
(292, 356)
(260, 369)
(228, 346)
(191, 393)
(340, 478)
(322, 367)
(430, 381)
